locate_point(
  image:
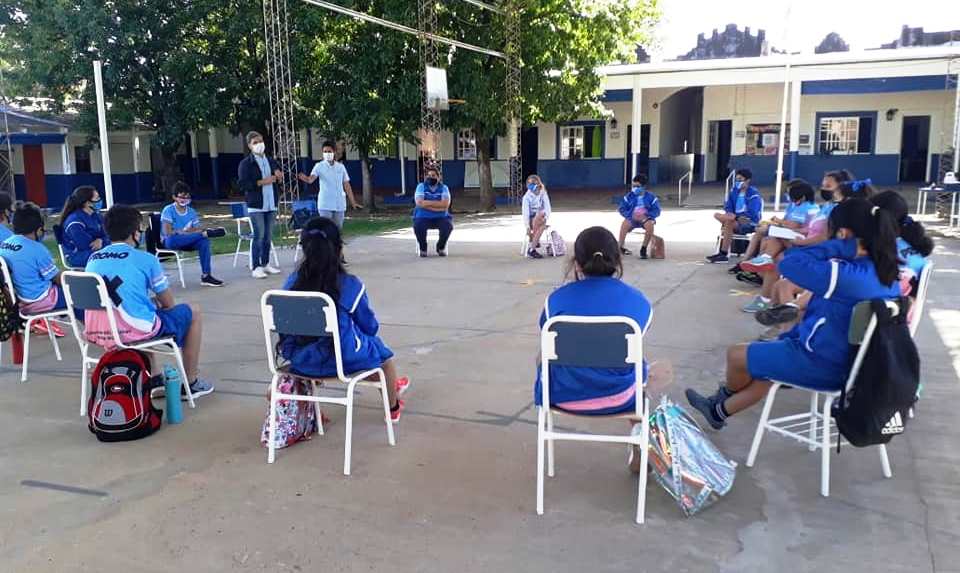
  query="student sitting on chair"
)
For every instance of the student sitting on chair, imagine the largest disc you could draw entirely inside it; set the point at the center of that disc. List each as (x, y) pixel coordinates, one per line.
(640, 209)
(913, 244)
(741, 214)
(181, 231)
(83, 231)
(145, 308)
(6, 214)
(323, 270)
(36, 278)
(859, 264)
(432, 198)
(597, 291)
(535, 210)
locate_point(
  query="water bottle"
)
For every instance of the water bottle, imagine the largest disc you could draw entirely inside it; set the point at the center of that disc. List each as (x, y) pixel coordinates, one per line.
(171, 383)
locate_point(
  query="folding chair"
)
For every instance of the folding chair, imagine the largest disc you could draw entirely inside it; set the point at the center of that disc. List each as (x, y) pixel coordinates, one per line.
(58, 235)
(314, 314)
(525, 242)
(241, 216)
(55, 316)
(596, 342)
(162, 254)
(303, 211)
(87, 291)
(920, 297)
(815, 428)
(417, 245)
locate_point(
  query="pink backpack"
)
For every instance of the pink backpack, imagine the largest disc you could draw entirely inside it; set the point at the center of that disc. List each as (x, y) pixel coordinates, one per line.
(296, 420)
(556, 246)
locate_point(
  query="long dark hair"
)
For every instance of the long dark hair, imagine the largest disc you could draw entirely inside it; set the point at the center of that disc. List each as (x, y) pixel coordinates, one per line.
(799, 189)
(909, 230)
(80, 196)
(597, 253)
(323, 262)
(841, 176)
(876, 230)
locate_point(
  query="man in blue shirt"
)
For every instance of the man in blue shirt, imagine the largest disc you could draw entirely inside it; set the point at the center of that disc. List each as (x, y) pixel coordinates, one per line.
(334, 189)
(741, 213)
(432, 200)
(139, 290)
(639, 209)
(181, 231)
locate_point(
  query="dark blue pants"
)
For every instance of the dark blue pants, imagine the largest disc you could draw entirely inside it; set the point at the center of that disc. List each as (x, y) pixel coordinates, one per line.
(422, 224)
(262, 223)
(191, 242)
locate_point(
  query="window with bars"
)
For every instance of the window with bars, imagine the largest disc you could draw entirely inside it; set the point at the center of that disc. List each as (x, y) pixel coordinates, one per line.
(466, 144)
(845, 135)
(81, 154)
(581, 141)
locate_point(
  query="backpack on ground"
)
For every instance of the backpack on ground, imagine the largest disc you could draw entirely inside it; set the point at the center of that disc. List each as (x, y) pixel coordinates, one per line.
(296, 420)
(556, 246)
(10, 321)
(876, 407)
(658, 249)
(119, 408)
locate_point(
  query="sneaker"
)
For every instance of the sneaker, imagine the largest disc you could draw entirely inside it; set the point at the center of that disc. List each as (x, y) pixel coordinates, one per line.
(402, 385)
(272, 270)
(199, 388)
(441, 253)
(259, 273)
(707, 407)
(39, 328)
(534, 254)
(760, 264)
(643, 252)
(735, 269)
(395, 414)
(756, 305)
(718, 258)
(625, 251)
(423, 254)
(211, 281)
(778, 314)
(750, 278)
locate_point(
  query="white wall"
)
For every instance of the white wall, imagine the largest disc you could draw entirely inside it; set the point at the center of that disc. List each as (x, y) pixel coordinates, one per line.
(547, 133)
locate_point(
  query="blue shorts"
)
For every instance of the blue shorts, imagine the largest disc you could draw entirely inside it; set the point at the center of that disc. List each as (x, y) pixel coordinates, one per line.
(786, 361)
(175, 322)
(744, 228)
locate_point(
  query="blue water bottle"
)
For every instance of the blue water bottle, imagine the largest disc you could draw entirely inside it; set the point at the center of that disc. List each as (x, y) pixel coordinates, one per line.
(171, 383)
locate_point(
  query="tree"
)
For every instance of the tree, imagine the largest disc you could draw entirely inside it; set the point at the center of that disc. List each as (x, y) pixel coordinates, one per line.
(563, 42)
(832, 42)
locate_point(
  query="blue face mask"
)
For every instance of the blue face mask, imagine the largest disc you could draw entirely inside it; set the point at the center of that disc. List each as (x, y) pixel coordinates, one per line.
(638, 189)
(98, 205)
(532, 187)
(738, 185)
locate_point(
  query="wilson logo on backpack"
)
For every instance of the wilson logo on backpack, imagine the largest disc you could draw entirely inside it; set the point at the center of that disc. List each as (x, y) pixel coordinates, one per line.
(120, 408)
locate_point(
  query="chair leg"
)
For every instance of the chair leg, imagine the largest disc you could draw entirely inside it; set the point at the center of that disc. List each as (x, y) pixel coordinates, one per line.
(762, 424)
(885, 461)
(391, 439)
(183, 283)
(183, 375)
(348, 433)
(541, 420)
(273, 253)
(85, 386)
(272, 434)
(316, 406)
(825, 448)
(236, 255)
(644, 457)
(26, 349)
(550, 471)
(814, 416)
(53, 339)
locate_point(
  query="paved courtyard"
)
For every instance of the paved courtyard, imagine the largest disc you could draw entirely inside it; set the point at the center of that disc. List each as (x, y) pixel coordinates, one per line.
(457, 492)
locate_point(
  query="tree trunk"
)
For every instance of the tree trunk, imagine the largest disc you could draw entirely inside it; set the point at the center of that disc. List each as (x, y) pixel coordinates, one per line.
(367, 176)
(169, 173)
(488, 199)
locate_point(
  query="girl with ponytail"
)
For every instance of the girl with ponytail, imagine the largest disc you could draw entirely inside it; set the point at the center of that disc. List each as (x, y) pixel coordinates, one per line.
(859, 263)
(323, 269)
(83, 230)
(595, 291)
(913, 244)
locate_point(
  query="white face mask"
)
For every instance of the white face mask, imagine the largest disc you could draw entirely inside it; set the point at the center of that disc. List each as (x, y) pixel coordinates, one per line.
(258, 148)
(328, 156)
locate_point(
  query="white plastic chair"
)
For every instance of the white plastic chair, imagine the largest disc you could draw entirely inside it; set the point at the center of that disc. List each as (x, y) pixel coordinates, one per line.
(314, 314)
(162, 253)
(242, 218)
(596, 342)
(58, 235)
(525, 242)
(54, 316)
(815, 427)
(88, 291)
(920, 297)
(416, 245)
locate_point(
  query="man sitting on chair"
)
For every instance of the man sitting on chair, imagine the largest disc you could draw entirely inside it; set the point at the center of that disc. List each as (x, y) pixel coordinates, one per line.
(181, 231)
(640, 209)
(131, 276)
(741, 214)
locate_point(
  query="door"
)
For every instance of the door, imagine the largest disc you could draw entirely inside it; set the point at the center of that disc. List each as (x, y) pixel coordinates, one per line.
(33, 174)
(643, 161)
(529, 151)
(913, 148)
(724, 140)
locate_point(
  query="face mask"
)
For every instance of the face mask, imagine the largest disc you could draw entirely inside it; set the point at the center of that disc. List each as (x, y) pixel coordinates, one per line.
(136, 240)
(183, 202)
(637, 189)
(532, 187)
(738, 185)
(258, 148)
(328, 156)
(431, 181)
(97, 205)
(826, 195)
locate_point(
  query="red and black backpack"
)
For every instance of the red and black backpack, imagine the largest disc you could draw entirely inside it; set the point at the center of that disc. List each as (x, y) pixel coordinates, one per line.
(119, 408)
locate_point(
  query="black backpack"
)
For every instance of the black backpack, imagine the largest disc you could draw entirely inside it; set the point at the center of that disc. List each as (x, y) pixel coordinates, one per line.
(10, 321)
(876, 407)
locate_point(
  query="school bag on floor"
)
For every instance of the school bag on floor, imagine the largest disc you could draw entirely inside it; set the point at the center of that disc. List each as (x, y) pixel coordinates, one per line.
(556, 246)
(877, 406)
(658, 249)
(296, 421)
(10, 321)
(119, 408)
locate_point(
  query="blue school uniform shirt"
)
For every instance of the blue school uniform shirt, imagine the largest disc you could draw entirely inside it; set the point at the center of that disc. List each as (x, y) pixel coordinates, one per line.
(131, 276)
(594, 390)
(31, 266)
(79, 230)
(642, 198)
(838, 279)
(910, 258)
(5, 233)
(801, 214)
(177, 221)
(437, 193)
(748, 203)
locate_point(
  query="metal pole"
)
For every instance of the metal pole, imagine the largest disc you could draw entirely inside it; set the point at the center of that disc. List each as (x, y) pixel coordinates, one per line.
(956, 126)
(403, 166)
(783, 130)
(104, 142)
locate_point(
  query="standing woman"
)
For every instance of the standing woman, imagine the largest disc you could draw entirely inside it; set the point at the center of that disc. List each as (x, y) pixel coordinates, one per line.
(432, 198)
(536, 211)
(257, 173)
(83, 231)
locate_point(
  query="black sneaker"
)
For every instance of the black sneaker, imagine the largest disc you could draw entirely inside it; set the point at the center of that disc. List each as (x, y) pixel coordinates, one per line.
(735, 269)
(534, 254)
(625, 251)
(210, 281)
(750, 278)
(441, 252)
(778, 315)
(643, 252)
(705, 406)
(423, 254)
(718, 258)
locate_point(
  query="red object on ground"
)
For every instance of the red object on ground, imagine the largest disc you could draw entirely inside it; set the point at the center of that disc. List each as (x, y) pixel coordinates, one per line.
(16, 346)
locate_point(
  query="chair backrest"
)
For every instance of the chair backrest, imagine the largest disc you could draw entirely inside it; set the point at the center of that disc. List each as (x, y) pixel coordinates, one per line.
(591, 342)
(7, 280)
(238, 210)
(303, 211)
(88, 291)
(296, 313)
(863, 323)
(920, 297)
(58, 233)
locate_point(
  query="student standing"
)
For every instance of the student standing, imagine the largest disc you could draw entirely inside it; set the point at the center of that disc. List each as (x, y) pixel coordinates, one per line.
(334, 188)
(180, 230)
(432, 211)
(256, 174)
(640, 209)
(741, 214)
(83, 231)
(535, 210)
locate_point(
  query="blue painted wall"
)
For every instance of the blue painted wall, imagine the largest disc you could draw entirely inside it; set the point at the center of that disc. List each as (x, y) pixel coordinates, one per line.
(874, 85)
(881, 168)
(764, 167)
(128, 188)
(559, 174)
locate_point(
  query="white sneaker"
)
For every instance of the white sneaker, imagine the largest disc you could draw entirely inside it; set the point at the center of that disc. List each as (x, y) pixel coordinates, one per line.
(259, 273)
(272, 270)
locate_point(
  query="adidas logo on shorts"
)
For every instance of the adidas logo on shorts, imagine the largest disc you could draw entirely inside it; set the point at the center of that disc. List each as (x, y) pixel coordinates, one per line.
(894, 426)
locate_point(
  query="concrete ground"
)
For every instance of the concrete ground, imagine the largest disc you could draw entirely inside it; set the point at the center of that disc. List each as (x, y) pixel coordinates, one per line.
(457, 492)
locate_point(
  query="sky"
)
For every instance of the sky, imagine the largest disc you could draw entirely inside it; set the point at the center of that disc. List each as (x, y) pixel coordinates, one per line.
(861, 23)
